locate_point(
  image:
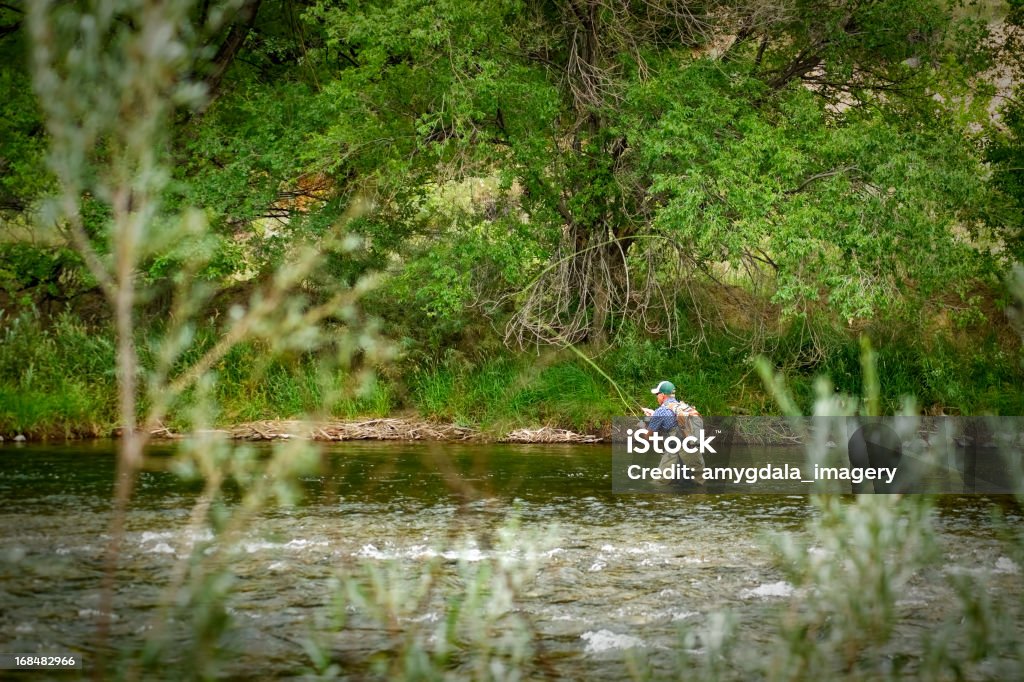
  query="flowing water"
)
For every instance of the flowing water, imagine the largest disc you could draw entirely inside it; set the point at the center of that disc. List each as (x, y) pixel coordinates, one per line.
(616, 575)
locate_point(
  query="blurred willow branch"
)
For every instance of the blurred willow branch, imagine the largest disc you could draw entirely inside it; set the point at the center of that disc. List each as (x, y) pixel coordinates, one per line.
(108, 74)
(105, 91)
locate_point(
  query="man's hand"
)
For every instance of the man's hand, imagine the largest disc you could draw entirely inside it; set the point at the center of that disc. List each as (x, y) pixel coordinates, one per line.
(648, 411)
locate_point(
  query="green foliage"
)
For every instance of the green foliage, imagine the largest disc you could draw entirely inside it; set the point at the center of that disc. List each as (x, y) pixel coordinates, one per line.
(505, 392)
(526, 184)
(860, 191)
(438, 291)
(23, 173)
(243, 162)
(30, 274)
(870, 206)
(861, 214)
(1006, 154)
(55, 381)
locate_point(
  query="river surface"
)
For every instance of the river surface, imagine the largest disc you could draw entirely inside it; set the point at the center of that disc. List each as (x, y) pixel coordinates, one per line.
(612, 576)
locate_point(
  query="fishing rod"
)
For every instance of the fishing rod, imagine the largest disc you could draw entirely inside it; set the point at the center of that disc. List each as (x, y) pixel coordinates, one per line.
(631, 407)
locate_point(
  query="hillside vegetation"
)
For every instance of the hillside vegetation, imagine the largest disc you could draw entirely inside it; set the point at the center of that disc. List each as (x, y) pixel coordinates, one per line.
(523, 212)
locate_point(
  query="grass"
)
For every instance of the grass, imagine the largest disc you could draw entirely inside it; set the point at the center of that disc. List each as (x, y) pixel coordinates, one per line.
(57, 381)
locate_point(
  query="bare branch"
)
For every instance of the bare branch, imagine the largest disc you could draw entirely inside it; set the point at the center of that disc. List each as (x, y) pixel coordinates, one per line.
(821, 176)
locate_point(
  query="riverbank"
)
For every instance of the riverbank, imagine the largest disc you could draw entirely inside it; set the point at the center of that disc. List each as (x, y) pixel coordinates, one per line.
(382, 429)
(397, 429)
(56, 381)
(754, 431)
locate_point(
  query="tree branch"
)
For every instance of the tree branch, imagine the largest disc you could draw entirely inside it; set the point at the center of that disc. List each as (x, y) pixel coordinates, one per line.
(820, 176)
(228, 50)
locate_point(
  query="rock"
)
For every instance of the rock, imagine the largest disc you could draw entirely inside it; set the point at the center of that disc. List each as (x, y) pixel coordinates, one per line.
(19, 438)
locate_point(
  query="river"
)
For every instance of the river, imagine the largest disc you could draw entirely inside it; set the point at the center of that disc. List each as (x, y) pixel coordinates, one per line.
(613, 579)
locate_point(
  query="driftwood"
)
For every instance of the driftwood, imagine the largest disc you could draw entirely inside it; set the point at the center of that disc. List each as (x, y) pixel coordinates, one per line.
(383, 429)
(372, 429)
(547, 434)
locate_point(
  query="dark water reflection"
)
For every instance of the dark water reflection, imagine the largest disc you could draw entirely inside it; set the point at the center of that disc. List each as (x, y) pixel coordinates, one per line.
(619, 573)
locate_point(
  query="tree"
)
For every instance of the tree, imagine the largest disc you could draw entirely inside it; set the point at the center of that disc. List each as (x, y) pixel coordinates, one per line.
(649, 165)
(654, 159)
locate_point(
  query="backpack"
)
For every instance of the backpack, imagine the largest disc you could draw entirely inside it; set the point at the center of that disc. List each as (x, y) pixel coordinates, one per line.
(688, 418)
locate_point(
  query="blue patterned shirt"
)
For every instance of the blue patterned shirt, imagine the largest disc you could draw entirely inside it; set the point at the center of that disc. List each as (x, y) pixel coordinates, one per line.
(663, 419)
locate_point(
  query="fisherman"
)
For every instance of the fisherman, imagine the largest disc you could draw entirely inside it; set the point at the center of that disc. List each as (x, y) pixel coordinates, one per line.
(663, 419)
(675, 417)
(672, 413)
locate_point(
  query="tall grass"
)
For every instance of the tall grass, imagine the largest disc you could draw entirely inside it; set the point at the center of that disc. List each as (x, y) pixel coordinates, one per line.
(56, 380)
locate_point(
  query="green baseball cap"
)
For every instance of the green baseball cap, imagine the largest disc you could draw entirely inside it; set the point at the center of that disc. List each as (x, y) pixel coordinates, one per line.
(666, 387)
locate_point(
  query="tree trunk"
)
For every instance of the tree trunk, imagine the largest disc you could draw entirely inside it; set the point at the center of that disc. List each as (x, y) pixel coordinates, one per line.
(229, 49)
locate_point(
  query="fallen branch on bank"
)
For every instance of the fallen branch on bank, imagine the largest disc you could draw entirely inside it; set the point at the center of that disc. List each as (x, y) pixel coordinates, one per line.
(372, 429)
(382, 429)
(548, 434)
